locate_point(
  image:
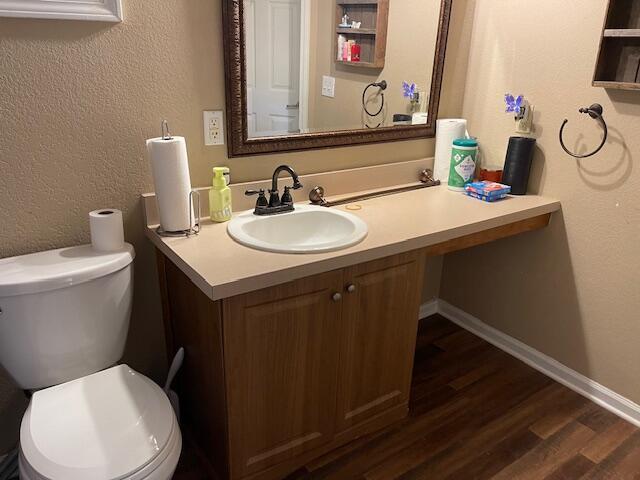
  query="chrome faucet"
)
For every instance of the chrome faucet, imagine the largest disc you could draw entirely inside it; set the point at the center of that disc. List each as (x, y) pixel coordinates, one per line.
(276, 204)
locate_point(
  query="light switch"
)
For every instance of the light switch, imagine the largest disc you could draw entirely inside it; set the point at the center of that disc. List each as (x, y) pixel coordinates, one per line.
(213, 127)
(328, 86)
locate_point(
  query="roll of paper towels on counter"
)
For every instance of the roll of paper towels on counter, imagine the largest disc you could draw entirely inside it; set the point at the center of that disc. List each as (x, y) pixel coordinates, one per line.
(447, 130)
(107, 230)
(170, 168)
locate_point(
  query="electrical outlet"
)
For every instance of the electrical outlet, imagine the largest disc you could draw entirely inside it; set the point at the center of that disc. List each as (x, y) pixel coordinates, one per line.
(213, 128)
(328, 86)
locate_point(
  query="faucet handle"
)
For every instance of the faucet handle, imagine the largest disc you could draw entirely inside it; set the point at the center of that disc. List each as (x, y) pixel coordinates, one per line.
(286, 196)
(262, 199)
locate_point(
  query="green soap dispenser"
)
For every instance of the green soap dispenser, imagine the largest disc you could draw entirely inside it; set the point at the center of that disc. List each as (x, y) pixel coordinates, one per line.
(220, 196)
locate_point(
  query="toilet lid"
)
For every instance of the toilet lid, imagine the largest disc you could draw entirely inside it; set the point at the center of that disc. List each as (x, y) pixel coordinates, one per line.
(103, 426)
(53, 269)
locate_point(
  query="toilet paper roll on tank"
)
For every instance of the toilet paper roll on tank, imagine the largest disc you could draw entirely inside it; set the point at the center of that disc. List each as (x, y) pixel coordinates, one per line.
(107, 230)
(170, 168)
(447, 130)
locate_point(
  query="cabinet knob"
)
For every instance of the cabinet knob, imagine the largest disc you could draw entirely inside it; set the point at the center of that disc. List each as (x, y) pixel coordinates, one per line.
(336, 297)
(351, 288)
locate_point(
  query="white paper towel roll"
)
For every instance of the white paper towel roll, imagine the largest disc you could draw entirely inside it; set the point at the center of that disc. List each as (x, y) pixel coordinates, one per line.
(107, 231)
(170, 167)
(447, 130)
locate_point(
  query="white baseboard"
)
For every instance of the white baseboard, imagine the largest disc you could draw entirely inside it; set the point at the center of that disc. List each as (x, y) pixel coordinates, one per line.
(597, 393)
(429, 308)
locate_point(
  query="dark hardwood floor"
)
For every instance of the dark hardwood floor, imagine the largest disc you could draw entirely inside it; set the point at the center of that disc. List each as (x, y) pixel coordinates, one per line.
(478, 413)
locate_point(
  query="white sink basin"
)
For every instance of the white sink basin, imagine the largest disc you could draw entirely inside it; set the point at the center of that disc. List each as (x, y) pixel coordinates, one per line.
(308, 229)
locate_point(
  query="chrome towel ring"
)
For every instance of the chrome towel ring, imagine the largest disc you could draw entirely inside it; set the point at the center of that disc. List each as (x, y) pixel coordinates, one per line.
(595, 111)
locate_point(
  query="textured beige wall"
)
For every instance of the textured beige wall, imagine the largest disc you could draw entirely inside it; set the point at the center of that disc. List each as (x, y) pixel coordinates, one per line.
(411, 40)
(78, 100)
(571, 291)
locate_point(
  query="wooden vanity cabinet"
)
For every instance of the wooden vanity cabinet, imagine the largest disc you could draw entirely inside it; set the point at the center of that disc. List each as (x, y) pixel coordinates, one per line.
(281, 359)
(287, 373)
(274, 379)
(378, 337)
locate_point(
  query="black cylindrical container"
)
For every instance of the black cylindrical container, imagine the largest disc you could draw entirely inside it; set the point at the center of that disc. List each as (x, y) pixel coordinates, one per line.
(517, 165)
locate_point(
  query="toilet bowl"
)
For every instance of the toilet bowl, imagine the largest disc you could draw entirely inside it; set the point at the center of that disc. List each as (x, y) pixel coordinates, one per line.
(64, 318)
(115, 424)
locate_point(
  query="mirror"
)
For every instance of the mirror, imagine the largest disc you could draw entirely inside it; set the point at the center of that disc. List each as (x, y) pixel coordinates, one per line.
(319, 73)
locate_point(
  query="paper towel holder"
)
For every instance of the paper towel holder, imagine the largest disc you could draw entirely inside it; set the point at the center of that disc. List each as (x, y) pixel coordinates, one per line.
(166, 133)
(196, 222)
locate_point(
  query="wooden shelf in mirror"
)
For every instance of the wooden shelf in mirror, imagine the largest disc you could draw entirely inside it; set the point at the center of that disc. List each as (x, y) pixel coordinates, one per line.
(357, 2)
(356, 31)
(372, 34)
(358, 64)
(618, 64)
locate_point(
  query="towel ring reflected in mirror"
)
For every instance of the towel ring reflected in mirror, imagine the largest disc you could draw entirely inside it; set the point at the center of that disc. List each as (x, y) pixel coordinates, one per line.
(382, 86)
(595, 111)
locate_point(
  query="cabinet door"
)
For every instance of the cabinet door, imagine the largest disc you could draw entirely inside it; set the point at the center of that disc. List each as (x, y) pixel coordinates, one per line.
(281, 357)
(380, 321)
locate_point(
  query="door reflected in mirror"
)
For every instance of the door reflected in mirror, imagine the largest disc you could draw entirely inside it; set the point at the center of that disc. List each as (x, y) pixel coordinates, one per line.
(317, 66)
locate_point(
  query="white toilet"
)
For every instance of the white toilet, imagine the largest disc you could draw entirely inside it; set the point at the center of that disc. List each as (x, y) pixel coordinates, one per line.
(64, 320)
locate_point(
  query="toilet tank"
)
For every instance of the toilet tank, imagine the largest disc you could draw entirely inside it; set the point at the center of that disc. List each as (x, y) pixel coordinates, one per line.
(64, 313)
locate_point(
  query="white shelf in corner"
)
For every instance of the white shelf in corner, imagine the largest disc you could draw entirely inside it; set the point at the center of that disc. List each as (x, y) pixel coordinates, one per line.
(99, 11)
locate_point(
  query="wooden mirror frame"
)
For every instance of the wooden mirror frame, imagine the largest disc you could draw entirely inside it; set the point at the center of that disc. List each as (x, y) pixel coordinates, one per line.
(239, 143)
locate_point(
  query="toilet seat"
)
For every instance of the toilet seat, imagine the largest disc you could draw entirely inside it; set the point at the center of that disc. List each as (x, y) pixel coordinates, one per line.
(161, 468)
(112, 425)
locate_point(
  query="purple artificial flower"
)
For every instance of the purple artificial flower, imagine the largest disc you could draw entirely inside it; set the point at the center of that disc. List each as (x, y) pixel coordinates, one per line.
(409, 90)
(514, 105)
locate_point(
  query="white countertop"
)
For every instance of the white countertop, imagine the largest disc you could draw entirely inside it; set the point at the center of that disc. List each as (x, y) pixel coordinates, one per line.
(398, 223)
